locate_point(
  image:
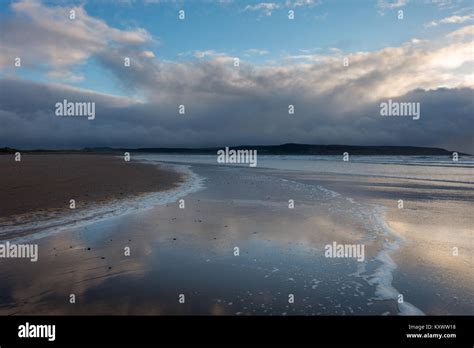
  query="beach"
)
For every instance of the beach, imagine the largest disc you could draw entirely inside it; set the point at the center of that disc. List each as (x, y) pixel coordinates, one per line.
(53, 188)
(182, 244)
(44, 182)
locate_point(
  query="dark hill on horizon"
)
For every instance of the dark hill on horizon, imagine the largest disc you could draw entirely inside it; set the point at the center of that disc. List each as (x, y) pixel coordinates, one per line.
(284, 149)
(305, 149)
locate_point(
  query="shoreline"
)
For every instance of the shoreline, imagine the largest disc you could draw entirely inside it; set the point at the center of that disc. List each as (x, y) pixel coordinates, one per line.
(139, 186)
(49, 182)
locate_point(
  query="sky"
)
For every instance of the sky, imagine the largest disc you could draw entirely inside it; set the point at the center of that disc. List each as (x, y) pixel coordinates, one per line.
(335, 62)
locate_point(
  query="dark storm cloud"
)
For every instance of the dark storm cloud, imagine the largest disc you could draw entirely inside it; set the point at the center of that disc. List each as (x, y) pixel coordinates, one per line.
(446, 121)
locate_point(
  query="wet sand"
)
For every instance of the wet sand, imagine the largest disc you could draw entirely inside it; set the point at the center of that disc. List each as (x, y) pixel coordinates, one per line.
(436, 217)
(191, 251)
(45, 182)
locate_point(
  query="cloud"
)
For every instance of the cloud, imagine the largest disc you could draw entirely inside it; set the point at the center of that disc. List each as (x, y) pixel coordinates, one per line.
(383, 5)
(450, 20)
(391, 4)
(209, 53)
(148, 54)
(301, 3)
(258, 118)
(65, 76)
(466, 32)
(442, 4)
(456, 19)
(416, 41)
(47, 36)
(255, 52)
(266, 7)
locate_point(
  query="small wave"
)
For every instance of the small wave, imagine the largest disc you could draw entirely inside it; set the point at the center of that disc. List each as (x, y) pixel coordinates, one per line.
(376, 227)
(383, 275)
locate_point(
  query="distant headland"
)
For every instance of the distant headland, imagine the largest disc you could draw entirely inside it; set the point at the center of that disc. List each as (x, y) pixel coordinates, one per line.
(283, 149)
